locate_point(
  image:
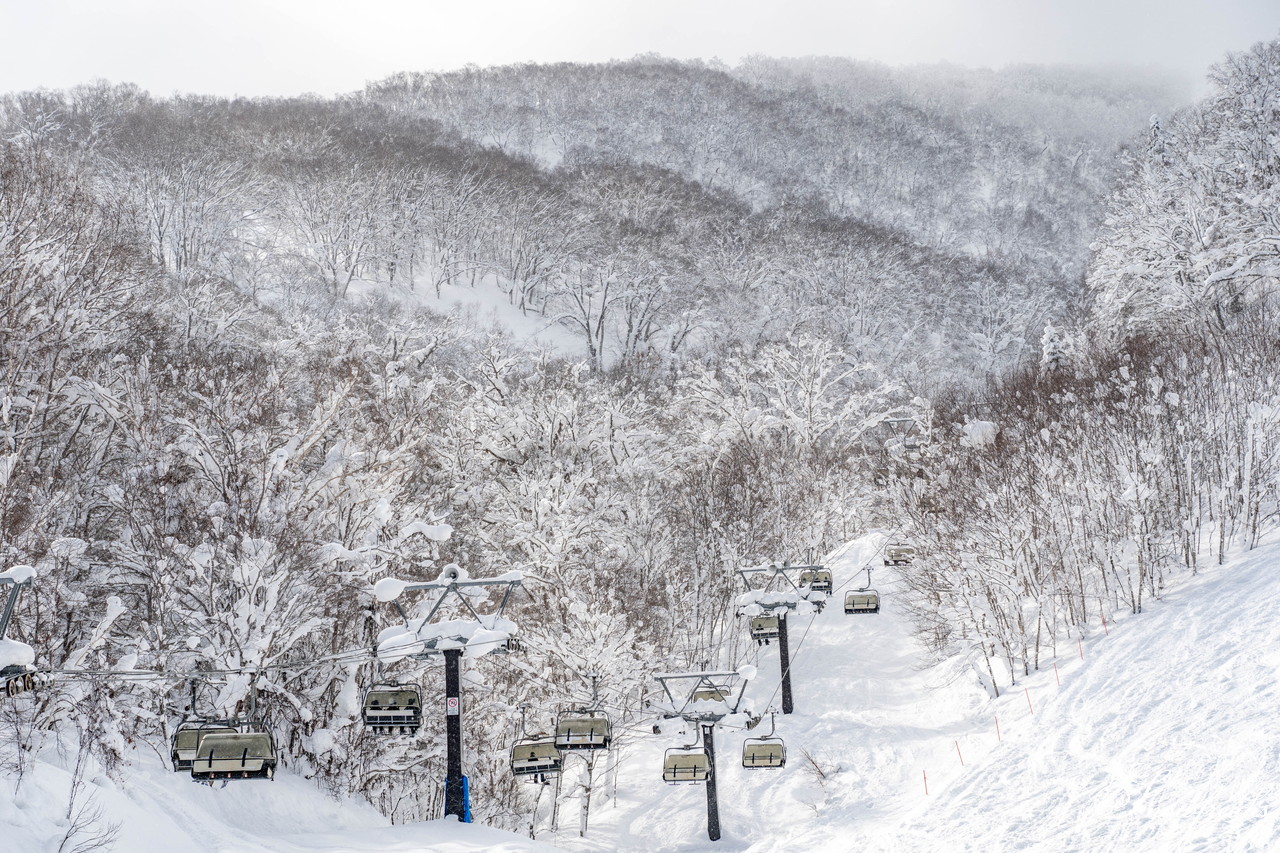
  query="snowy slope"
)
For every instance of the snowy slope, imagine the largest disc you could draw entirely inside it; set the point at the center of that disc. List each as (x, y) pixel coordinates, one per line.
(1163, 737)
(158, 811)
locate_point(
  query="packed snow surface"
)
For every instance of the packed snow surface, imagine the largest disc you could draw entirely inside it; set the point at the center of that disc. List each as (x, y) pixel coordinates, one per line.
(1162, 736)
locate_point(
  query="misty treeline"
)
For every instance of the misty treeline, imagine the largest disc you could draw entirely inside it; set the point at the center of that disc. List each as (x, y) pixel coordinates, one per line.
(1144, 445)
(229, 388)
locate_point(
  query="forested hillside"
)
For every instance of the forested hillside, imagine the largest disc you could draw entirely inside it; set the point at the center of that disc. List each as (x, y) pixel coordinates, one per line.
(235, 392)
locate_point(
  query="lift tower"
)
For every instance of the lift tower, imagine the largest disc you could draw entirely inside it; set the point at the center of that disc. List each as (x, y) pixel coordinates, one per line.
(473, 633)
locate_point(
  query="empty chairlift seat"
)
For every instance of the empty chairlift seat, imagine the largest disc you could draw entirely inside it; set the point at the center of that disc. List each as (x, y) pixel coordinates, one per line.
(821, 581)
(764, 752)
(710, 694)
(186, 742)
(536, 757)
(899, 554)
(686, 765)
(235, 755)
(388, 710)
(862, 601)
(583, 730)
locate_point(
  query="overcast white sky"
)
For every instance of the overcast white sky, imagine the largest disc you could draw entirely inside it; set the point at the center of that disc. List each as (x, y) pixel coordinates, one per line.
(282, 47)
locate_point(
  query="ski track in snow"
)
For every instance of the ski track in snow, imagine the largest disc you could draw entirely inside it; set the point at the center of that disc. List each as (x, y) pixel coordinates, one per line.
(1165, 737)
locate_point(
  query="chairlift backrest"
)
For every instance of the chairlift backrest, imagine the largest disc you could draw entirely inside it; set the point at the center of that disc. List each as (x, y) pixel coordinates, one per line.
(189, 738)
(686, 765)
(186, 742)
(867, 601)
(764, 752)
(235, 754)
(589, 730)
(392, 699)
(393, 708)
(710, 694)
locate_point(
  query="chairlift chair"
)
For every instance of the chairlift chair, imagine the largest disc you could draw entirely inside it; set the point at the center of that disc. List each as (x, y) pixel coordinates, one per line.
(862, 601)
(392, 708)
(764, 628)
(766, 751)
(235, 755)
(586, 729)
(186, 741)
(710, 694)
(686, 764)
(536, 757)
(821, 582)
(806, 578)
(899, 554)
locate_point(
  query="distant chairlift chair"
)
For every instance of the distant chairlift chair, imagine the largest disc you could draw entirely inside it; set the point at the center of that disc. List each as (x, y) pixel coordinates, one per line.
(768, 751)
(392, 709)
(536, 757)
(186, 741)
(587, 729)
(862, 601)
(686, 764)
(899, 554)
(764, 628)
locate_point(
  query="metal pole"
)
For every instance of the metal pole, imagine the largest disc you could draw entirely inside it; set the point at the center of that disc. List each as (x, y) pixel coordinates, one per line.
(784, 661)
(454, 801)
(713, 807)
(8, 610)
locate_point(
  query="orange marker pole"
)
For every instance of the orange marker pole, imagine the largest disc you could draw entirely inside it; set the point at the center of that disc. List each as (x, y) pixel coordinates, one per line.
(998, 738)
(1080, 643)
(959, 753)
(1055, 673)
(925, 773)
(1028, 692)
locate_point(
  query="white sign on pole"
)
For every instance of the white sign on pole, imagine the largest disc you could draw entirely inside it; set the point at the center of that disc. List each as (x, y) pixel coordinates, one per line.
(452, 706)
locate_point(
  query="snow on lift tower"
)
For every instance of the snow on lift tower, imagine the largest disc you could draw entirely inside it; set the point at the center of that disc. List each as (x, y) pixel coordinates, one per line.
(473, 634)
(708, 700)
(17, 660)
